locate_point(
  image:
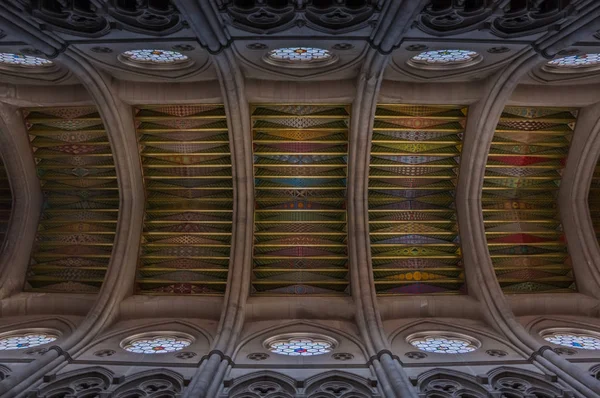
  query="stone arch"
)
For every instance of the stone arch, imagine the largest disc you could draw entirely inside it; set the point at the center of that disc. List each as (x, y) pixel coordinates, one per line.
(264, 384)
(447, 383)
(81, 383)
(156, 383)
(521, 383)
(336, 384)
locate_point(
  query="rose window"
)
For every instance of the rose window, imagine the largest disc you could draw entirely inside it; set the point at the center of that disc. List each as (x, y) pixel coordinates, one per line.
(156, 344)
(574, 63)
(581, 341)
(301, 345)
(300, 56)
(25, 61)
(444, 344)
(445, 59)
(21, 340)
(153, 58)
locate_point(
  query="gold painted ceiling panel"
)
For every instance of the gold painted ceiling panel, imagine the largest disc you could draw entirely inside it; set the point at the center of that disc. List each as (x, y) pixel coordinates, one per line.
(189, 199)
(81, 199)
(519, 199)
(415, 156)
(300, 169)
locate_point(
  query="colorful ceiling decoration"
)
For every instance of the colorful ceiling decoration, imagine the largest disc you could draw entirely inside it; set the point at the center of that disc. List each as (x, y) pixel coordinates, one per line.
(81, 199)
(519, 199)
(5, 202)
(594, 201)
(415, 157)
(189, 199)
(300, 168)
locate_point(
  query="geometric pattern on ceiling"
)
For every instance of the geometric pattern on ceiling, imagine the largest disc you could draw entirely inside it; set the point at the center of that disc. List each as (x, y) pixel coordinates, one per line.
(594, 201)
(519, 199)
(5, 202)
(300, 221)
(415, 156)
(189, 199)
(81, 199)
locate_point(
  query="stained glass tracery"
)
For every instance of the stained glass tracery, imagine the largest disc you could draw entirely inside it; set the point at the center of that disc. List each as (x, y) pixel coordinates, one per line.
(189, 199)
(300, 346)
(519, 199)
(581, 341)
(579, 62)
(22, 340)
(415, 156)
(24, 61)
(445, 58)
(300, 56)
(162, 344)
(300, 157)
(81, 200)
(153, 56)
(441, 344)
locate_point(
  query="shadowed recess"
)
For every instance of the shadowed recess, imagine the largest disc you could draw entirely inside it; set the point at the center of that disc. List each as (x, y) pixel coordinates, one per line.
(415, 156)
(5, 202)
(81, 200)
(300, 169)
(594, 201)
(519, 199)
(189, 199)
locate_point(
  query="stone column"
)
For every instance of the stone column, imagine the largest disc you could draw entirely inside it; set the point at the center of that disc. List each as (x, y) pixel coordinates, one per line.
(119, 279)
(573, 201)
(483, 117)
(27, 200)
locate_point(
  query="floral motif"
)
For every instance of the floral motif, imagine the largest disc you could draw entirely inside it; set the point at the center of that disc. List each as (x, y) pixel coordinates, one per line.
(157, 344)
(580, 341)
(443, 344)
(303, 346)
(20, 341)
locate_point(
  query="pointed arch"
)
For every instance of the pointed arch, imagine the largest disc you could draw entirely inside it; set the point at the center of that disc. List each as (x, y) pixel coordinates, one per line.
(521, 383)
(447, 383)
(80, 383)
(161, 383)
(263, 384)
(336, 384)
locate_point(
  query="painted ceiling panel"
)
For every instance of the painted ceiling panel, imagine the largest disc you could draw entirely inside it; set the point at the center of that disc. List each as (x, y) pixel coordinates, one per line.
(519, 199)
(415, 156)
(189, 199)
(5, 202)
(81, 200)
(300, 169)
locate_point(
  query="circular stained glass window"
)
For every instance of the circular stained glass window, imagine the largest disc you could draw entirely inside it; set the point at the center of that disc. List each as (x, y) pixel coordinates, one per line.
(445, 59)
(152, 58)
(583, 340)
(24, 61)
(574, 63)
(300, 57)
(304, 345)
(26, 339)
(443, 343)
(157, 343)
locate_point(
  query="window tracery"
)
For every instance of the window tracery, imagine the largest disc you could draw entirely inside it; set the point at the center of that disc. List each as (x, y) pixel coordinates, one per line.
(300, 57)
(155, 58)
(446, 59)
(21, 339)
(156, 343)
(24, 61)
(261, 385)
(520, 383)
(575, 339)
(83, 383)
(443, 343)
(300, 345)
(574, 64)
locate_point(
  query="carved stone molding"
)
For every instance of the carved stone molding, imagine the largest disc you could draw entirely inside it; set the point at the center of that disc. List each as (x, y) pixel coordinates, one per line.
(95, 18)
(448, 17)
(513, 18)
(268, 16)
